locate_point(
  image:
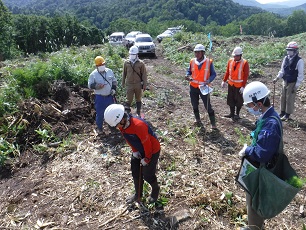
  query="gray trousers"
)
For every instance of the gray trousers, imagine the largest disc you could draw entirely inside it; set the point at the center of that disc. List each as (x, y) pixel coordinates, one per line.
(255, 222)
(288, 97)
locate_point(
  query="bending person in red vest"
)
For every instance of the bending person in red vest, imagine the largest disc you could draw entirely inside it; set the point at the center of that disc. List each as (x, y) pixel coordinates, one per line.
(237, 73)
(145, 149)
(201, 72)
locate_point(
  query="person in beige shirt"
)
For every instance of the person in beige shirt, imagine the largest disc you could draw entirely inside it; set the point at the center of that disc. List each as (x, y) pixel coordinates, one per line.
(134, 79)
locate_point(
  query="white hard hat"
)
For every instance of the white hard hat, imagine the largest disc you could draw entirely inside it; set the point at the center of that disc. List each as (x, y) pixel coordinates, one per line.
(113, 114)
(292, 46)
(199, 47)
(255, 91)
(133, 50)
(237, 51)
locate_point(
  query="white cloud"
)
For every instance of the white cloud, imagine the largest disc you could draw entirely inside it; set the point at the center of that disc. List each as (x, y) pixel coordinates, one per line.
(270, 1)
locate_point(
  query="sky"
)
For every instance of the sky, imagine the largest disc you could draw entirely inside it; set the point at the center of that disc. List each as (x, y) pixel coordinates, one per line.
(270, 1)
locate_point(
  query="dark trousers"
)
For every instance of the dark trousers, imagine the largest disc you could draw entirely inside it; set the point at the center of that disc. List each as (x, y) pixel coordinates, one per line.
(195, 95)
(234, 97)
(148, 172)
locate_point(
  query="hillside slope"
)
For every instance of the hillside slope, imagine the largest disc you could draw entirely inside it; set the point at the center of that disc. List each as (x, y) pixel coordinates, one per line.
(202, 11)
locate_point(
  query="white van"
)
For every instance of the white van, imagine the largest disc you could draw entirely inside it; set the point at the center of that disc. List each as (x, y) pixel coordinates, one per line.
(116, 38)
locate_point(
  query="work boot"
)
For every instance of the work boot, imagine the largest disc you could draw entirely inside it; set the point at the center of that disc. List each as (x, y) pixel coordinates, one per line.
(197, 117)
(285, 117)
(135, 196)
(232, 112)
(282, 114)
(138, 107)
(131, 199)
(212, 119)
(237, 117)
(154, 193)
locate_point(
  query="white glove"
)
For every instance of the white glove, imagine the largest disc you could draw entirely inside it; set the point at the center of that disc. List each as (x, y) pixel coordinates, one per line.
(241, 90)
(137, 155)
(222, 84)
(113, 92)
(144, 161)
(275, 80)
(242, 151)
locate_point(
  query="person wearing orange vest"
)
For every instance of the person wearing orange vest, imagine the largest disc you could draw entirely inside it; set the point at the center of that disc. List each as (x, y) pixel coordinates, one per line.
(201, 72)
(237, 73)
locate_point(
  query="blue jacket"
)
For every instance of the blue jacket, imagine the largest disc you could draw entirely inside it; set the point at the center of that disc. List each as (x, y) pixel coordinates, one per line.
(269, 135)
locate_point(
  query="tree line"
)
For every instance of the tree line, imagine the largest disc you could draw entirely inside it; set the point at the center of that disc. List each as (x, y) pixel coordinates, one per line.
(32, 33)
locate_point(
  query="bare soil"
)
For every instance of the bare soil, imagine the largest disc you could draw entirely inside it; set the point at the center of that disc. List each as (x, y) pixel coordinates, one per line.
(82, 183)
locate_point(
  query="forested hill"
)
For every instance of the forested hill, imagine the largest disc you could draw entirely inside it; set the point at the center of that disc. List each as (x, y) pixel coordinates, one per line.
(101, 13)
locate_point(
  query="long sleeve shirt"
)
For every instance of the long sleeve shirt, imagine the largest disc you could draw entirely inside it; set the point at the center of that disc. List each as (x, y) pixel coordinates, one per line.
(107, 78)
(299, 68)
(134, 73)
(237, 73)
(141, 137)
(213, 73)
(266, 138)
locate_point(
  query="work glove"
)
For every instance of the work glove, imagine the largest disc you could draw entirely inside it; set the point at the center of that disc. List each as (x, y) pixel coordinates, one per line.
(137, 155)
(241, 90)
(242, 151)
(188, 78)
(223, 84)
(144, 161)
(113, 92)
(275, 80)
(99, 86)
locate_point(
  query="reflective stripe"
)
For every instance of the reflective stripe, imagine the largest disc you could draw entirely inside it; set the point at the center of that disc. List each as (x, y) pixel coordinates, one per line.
(239, 71)
(206, 70)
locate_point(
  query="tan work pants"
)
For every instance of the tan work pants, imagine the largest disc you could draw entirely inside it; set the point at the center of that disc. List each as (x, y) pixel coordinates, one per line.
(131, 90)
(288, 97)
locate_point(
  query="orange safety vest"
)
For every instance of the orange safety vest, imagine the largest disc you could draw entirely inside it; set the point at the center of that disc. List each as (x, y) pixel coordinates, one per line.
(199, 76)
(236, 74)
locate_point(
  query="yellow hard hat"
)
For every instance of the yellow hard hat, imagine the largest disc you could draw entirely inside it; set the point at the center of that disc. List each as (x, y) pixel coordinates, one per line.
(99, 60)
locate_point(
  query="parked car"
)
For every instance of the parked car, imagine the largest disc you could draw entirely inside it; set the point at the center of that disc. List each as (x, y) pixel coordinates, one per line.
(145, 44)
(175, 30)
(116, 38)
(129, 39)
(169, 33)
(165, 34)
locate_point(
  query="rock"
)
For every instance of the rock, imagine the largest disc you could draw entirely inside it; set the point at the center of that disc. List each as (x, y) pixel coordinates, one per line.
(179, 217)
(302, 213)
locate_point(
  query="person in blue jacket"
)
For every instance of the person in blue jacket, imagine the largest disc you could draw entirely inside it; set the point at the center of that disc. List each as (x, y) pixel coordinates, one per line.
(265, 138)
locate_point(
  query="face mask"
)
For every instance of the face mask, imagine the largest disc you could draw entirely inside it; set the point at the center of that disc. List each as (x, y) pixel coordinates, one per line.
(255, 113)
(101, 68)
(290, 53)
(133, 57)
